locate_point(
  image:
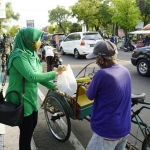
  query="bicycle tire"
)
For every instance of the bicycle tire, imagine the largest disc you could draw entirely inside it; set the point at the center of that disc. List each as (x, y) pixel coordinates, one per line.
(146, 143)
(55, 111)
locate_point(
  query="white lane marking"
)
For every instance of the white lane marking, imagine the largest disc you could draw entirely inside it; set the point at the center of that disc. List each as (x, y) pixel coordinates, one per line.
(41, 95)
(73, 140)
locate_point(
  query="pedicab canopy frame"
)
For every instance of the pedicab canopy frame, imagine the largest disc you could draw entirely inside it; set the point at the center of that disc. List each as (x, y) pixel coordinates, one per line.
(140, 32)
(145, 30)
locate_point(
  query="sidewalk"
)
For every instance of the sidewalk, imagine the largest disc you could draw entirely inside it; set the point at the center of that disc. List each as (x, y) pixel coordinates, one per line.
(11, 139)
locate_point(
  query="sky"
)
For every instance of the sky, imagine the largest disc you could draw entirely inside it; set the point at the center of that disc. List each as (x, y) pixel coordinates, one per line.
(36, 10)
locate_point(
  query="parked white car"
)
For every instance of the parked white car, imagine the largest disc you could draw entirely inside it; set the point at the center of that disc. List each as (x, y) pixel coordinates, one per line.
(79, 43)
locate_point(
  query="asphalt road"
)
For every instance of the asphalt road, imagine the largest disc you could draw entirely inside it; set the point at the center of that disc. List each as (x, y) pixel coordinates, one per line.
(81, 130)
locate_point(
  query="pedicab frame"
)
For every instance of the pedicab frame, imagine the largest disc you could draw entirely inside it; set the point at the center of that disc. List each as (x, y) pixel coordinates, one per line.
(58, 105)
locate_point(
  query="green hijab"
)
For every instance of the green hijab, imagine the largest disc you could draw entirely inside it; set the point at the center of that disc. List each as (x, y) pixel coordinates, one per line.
(23, 44)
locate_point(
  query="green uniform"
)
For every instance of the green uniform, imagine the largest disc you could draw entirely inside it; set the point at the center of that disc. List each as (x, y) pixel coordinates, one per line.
(6, 51)
(24, 62)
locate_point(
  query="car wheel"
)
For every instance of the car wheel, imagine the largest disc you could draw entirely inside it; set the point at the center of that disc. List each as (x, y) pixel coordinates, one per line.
(62, 51)
(143, 67)
(76, 54)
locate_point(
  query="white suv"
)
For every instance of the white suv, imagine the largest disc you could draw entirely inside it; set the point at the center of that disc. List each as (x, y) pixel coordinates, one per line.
(79, 43)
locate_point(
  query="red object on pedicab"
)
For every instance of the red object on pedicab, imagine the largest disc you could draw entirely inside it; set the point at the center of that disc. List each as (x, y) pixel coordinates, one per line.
(147, 27)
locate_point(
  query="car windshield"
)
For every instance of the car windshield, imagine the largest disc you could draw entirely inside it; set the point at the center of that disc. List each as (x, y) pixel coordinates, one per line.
(92, 36)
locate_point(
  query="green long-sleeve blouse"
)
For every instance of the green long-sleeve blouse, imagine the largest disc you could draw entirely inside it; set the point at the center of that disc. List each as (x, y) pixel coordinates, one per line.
(31, 70)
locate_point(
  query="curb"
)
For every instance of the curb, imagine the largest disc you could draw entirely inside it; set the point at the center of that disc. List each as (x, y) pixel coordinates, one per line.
(1, 142)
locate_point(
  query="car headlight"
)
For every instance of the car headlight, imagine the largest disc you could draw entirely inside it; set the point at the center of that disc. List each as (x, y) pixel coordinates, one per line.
(133, 54)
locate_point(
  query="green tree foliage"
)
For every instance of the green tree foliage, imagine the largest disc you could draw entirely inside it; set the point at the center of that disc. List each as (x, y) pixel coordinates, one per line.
(146, 14)
(59, 15)
(85, 10)
(126, 14)
(94, 13)
(75, 27)
(52, 28)
(103, 17)
(14, 30)
(144, 6)
(9, 15)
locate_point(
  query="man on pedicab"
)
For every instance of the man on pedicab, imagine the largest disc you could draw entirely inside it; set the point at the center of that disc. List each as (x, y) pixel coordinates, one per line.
(110, 89)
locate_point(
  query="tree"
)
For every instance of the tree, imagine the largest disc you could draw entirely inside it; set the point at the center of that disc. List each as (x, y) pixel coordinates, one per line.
(146, 14)
(9, 15)
(59, 15)
(75, 27)
(94, 13)
(126, 14)
(103, 17)
(85, 10)
(14, 30)
(144, 6)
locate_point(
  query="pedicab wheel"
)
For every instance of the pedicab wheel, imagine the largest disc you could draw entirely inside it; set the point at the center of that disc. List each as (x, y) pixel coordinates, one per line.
(146, 143)
(57, 118)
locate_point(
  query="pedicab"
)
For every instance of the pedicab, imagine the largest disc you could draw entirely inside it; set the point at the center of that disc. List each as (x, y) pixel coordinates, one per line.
(59, 107)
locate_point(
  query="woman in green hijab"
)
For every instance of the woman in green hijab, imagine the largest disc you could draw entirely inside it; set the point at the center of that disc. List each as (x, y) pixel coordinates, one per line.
(24, 63)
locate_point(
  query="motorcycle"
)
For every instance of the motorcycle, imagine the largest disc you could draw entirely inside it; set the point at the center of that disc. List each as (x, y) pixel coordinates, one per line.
(57, 59)
(129, 46)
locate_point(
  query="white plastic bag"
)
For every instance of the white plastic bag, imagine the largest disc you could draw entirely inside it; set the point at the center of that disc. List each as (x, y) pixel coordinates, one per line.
(66, 82)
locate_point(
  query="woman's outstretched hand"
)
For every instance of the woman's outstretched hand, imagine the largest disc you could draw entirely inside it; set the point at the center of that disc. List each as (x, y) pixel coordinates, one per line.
(61, 69)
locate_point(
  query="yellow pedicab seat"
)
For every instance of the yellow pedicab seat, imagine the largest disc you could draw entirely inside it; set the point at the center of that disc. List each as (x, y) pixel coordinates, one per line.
(84, 105)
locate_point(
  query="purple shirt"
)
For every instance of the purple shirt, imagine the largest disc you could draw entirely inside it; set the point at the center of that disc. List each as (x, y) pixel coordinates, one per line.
(111, 91)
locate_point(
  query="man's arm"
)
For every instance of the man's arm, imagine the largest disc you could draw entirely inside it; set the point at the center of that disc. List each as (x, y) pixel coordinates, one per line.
(92, 89)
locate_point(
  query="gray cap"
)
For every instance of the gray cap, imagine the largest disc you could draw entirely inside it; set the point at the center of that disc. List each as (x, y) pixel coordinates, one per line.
(103, 48)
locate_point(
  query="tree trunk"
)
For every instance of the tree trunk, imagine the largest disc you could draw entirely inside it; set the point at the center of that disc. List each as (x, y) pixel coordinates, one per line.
(126, 35)
(62, 28)
(87, 27)
(116, 30)
(142, 5)
(96, 28)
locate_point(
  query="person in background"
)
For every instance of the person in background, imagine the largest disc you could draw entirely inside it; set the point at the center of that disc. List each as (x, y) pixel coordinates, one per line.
(146, 41)
(24, 63)
(123, 42)
(110, 89)
(57, 41)
(49, 57)
(10, 42)
(112, 39)
(6, 44)
(115, 40)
